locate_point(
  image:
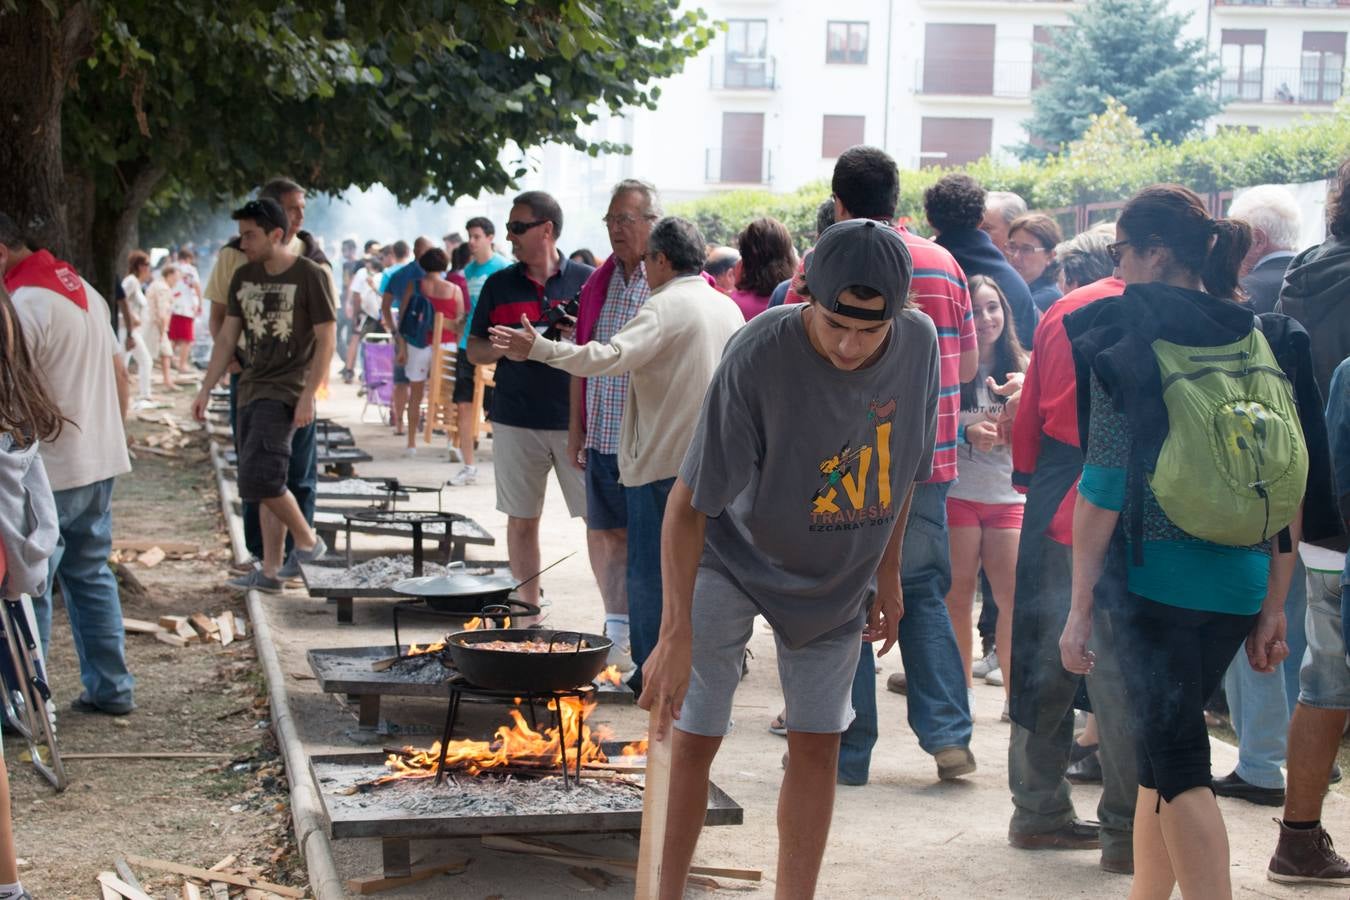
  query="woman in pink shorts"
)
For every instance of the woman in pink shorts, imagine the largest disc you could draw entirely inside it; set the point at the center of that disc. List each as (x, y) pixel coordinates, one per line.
(984, 513)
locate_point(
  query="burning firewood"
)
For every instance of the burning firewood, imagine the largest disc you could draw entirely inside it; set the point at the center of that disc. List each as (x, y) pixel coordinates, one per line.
(516, 749)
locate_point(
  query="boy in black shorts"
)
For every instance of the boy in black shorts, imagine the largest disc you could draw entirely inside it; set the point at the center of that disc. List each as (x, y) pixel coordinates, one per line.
(283, 306)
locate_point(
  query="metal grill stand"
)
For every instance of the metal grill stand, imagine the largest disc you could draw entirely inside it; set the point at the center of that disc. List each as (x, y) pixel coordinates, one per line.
(460, 688)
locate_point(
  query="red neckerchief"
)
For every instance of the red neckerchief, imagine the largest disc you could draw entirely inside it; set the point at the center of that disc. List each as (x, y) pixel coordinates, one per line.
(41, 269)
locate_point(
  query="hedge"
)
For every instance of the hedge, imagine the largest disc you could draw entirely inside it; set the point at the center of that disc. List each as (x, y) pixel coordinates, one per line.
(1308, 151)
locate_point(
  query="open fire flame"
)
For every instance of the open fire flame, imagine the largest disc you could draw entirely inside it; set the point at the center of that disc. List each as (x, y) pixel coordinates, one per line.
(472, 625)
(609, 676)
(516, 745)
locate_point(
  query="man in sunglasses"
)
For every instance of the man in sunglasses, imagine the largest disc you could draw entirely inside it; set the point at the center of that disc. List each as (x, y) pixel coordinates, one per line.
(530, 408)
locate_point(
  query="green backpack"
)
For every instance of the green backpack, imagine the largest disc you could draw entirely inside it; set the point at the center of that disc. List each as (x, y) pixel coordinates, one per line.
(1234, 464)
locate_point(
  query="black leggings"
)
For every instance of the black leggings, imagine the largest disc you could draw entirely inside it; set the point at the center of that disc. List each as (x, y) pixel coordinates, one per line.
(1173, 659)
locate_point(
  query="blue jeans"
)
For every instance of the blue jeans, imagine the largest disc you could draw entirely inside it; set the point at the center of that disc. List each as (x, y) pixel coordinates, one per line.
(938, 708)
(302, 479)
(646, 509)
(80, 564)
(1260, 703)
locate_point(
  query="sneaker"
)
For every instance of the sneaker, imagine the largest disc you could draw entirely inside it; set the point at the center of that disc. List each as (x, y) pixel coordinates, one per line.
(954, 762)
(1335, 774)
(1073, 835)
(1306, 856)
(454, 454)
(896, 683)
(257, 581)
(290, 569)
(1118, 862)
(1005, 718)
(986, 665)
(1232, 786)
(83, 704)
(466, 475)
(970, 703)
(410, 451)
(994, 677)
(313, 554)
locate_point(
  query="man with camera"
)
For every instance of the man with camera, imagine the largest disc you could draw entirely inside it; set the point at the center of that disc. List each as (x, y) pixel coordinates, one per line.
(530, 408)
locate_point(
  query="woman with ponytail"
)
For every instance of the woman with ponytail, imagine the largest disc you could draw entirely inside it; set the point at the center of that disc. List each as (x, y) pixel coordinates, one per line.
(1162, 369)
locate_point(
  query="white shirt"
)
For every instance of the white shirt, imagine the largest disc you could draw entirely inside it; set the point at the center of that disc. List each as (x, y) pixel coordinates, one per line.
(131, 286)
(73, 351)
(367, 293)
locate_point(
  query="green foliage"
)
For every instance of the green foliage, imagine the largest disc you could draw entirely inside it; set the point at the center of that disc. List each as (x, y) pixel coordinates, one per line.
(1132, 50)
(422, 96)
(1309, 151)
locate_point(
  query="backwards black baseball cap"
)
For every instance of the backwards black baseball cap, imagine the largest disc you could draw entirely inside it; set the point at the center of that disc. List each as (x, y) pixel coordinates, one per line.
(267, 213)
(860, 253)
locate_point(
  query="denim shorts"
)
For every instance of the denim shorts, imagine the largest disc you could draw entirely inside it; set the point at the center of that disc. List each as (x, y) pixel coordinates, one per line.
(817, 678)
(606, 505)
(1324, 679)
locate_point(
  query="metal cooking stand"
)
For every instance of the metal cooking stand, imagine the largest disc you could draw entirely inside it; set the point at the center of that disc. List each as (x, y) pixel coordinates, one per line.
(416, 519)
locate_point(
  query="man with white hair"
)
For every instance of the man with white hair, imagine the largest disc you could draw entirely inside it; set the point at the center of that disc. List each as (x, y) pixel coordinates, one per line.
(1274, 217)
(1000, 208)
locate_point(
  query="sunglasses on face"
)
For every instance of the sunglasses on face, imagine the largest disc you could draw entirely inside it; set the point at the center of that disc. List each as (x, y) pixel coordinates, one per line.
(1116, 250)
(519, 228)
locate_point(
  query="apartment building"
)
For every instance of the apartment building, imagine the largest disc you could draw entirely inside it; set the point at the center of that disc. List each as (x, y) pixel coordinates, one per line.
(790, 83)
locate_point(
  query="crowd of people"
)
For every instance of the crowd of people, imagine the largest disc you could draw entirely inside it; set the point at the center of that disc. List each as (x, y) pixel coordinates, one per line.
(1117, 440)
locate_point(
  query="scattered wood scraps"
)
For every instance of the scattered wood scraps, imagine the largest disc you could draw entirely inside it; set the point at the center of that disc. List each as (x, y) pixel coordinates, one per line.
(224, 880)
(198, 628)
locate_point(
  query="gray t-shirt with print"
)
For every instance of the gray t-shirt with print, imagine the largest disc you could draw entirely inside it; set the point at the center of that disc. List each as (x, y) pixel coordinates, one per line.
(802, 467)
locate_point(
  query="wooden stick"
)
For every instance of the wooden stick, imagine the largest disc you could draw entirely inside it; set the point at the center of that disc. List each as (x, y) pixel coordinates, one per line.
(655, 808)
(109, 881)
(191, 891)
(371, 884)
(205, 625)
(561, 852)
(105, 892)
(173, 640)
(160, 865)
(148, 754)
(224, 863)
(219, 890)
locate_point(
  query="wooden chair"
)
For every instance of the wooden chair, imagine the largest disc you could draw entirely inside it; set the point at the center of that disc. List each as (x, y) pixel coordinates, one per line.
(441, 409)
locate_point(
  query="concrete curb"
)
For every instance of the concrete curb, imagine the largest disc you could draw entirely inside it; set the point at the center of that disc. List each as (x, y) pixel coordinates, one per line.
(306, 809)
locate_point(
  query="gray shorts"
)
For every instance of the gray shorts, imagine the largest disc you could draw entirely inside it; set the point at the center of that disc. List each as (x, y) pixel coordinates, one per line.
(521, 461)
(1324, 679)
(817, 678)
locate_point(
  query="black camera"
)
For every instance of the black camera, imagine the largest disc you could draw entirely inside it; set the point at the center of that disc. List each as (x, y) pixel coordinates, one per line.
(559, 313)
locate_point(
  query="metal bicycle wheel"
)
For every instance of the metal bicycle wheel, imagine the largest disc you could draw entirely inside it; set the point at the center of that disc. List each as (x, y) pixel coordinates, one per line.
(25, 703)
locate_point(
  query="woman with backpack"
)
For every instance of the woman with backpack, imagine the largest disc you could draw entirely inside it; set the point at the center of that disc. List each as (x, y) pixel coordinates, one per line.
(415, 340)
(984, 513)
(1189, 509)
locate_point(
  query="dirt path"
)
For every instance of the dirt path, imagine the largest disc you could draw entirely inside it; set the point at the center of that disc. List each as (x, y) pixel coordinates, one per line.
(199, 698)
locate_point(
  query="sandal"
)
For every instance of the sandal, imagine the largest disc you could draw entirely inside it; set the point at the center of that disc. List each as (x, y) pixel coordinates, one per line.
(778, 726)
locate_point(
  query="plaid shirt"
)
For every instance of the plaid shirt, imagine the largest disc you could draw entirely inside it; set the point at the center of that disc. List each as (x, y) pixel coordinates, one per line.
(606, 394)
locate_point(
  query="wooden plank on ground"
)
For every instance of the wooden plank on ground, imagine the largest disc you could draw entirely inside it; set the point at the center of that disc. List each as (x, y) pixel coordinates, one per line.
(120, 887)
(205, 625)
(191, 891)
(105, 892)
(140, 626)
(225, 629)
(152, 557)
(173, 640)
(224, 863)
(163, 865)
(240, 626)
(171, 623)
(219, 890)
(371, 884)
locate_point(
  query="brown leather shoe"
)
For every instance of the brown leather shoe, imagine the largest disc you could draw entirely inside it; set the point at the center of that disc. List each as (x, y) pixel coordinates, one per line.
(1306, 856)
(1075, 835)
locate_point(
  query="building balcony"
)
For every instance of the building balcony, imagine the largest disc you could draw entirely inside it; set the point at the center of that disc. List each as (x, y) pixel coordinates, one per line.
(1286, 4)
(748, 165)
(1283, 86)
(742, 73)
(952, 76)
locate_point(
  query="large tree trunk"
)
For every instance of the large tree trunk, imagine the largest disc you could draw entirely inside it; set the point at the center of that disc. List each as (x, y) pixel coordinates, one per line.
(38, 53)
(116, 225)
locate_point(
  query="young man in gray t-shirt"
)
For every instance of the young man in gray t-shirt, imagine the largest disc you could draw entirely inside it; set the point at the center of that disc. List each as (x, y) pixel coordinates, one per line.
(791, 503)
